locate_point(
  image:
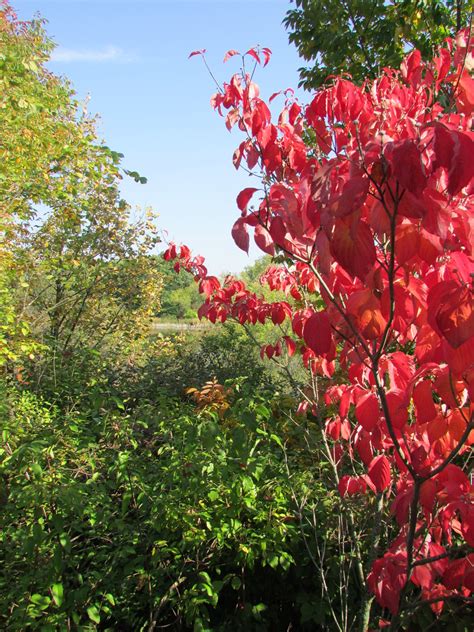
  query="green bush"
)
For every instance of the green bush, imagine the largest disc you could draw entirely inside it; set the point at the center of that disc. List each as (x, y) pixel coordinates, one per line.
(175, 362)
(119, 520)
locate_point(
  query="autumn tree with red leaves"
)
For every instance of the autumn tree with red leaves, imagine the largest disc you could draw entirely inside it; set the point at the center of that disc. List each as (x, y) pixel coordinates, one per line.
(367, 195)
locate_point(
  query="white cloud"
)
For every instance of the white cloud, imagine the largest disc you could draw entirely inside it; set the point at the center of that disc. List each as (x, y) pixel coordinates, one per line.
(107, 54)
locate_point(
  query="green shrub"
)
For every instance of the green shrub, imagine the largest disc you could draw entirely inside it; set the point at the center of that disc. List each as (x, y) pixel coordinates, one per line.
(113, 519)
(176, 362)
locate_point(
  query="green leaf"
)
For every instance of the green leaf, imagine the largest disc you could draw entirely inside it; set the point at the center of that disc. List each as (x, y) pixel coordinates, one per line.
(263, 411)
(118, 402)
(42, 601)
(274, 561)
(277, 440)
(93, 614)
(236, 583)
(110, 598)
(65, 541)
(57, 591)
(36, 469)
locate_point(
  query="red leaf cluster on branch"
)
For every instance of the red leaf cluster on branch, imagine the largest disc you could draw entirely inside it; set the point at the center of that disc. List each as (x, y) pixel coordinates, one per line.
(368, 194)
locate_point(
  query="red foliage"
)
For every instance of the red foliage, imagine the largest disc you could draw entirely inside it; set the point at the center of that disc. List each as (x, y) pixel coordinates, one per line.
(377, 219)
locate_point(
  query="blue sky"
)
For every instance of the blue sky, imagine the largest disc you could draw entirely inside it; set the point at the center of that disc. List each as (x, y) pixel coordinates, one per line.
(131, 57)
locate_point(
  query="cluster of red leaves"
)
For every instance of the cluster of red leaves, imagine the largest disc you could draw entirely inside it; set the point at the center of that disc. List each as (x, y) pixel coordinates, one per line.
(375, 214)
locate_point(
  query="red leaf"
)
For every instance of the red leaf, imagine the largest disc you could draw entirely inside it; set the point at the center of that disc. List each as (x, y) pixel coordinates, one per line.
(240, 234)
(379, 472)
(267, 53)
(430, 595)
(387, 578)
(450, 312)
(352, 196)
(430, 247)
(238, 155)
(230, 53)
(299, 320)
(454, 151)
(364, 446)
(317, 333)
(365, 309)
(244, 198)
(278, 314)
(208, 285)
(232, 118)
(274, 96)
(367, 411)
(442, 64)
(261, 116)
(405, 159)
(184, 252)
(398, 407)
(290, 345)
(352, 245)
(406, 242)
(278, 231)
(333, 429)
(197, 52)
(423, 399)
(350, 485)
(411, 67)
(400, 367)
(253, 53)
(454, 575)
(263, 240)
(460, 359)
(428, 492)
(423, 576)
(465, 96)
(170, 253)
(346, 399)
(270, 149)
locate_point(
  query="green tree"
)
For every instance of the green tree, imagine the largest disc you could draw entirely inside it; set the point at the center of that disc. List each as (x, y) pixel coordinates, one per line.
(45, 133)
(84, 280)
(74, 266)
(252, 273)
(362, 36)
(38, 130)
(180, 297)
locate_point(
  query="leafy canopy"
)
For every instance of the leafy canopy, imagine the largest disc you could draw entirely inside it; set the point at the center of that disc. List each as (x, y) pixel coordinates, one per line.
(73, 264)
(362, 36)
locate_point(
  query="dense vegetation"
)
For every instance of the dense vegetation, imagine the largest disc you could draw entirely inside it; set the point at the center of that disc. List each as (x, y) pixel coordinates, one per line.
(361, 37)
(150, 479)
(125, 503)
